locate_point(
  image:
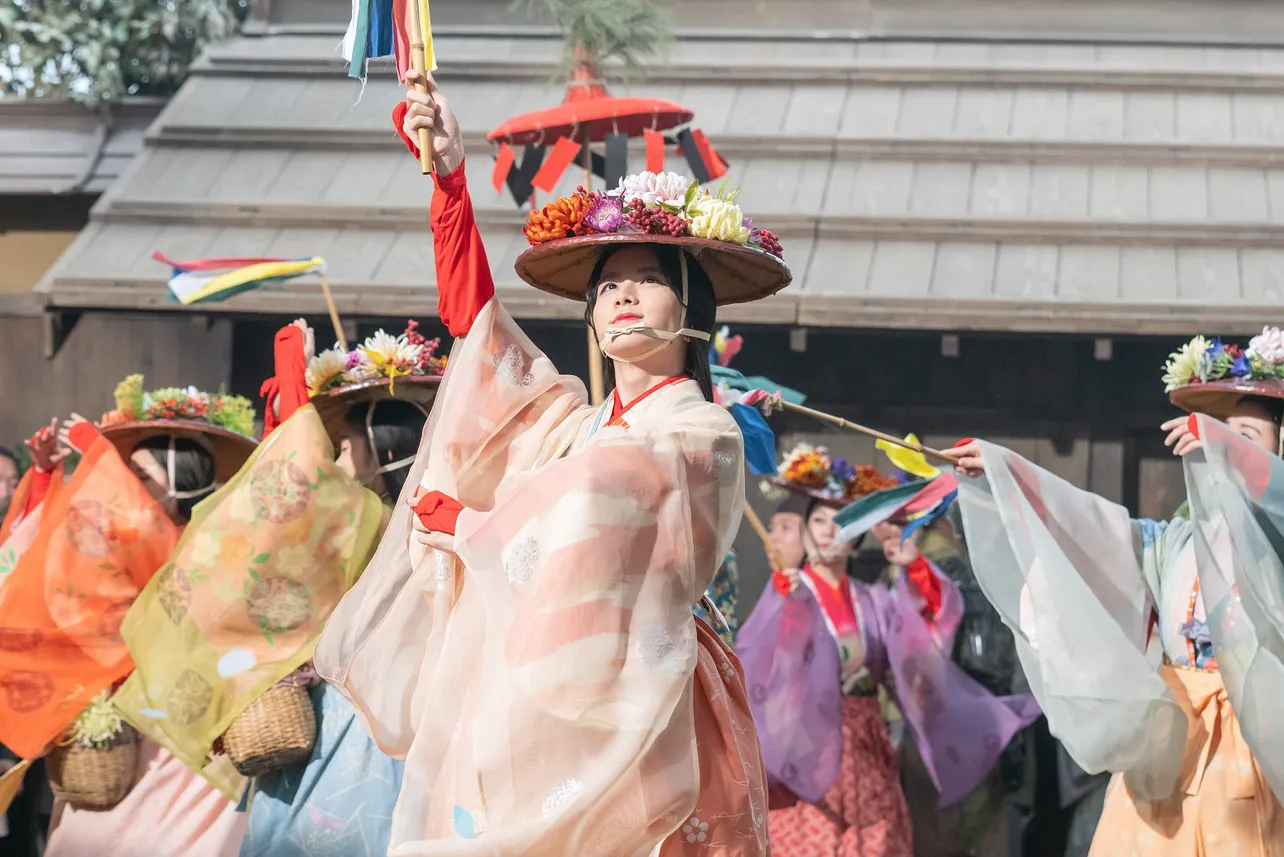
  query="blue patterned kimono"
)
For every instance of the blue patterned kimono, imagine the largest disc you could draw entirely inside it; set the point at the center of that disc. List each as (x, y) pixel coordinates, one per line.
(338, 805)
(724, 593)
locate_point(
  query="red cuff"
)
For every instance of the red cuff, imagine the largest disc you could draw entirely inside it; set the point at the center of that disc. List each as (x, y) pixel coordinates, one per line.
(82, 436)
(290, 381)
(438, 512)
(780, 581)
(928, 585)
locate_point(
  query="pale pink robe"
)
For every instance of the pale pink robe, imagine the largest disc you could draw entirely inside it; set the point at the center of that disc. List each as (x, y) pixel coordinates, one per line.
(546, 681)
(171, 811)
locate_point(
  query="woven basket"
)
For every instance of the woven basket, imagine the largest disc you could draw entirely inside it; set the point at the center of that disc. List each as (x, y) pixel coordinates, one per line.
(92, 777)
(278, 729)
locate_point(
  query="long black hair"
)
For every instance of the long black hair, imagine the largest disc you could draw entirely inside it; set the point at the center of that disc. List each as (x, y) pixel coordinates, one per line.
(193, 469)
(702, 309)
(395, 429)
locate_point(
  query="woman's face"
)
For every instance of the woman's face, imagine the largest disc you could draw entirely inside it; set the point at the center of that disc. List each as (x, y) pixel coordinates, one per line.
(355, 458)
(1253, 421)
(631, 290)
(822, 536)
(143, 464)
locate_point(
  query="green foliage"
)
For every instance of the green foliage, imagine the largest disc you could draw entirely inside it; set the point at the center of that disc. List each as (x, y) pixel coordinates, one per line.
(234, 413)
(96, 52)
(602, 30)
(129, 397)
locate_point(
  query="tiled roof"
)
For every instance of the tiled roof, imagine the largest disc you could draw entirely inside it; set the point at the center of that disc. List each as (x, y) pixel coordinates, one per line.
(916, 183)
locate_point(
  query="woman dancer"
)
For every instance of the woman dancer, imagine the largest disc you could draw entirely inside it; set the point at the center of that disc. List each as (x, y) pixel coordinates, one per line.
(341, 801)
(155, 457)
(528, 644)
(831, 755)
(1088, 591)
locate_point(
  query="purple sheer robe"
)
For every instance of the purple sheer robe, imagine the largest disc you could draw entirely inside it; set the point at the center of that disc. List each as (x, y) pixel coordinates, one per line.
(792, 671)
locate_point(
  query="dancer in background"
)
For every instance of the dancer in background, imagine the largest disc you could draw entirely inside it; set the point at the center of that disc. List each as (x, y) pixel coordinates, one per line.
(341, 800)
(101, 538)
(1087, 591)
(825, 741)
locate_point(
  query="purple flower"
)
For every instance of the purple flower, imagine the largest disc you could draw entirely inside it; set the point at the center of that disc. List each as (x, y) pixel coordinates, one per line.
(606, 216)
(842, 469)
(1242, 366)
(351, 363)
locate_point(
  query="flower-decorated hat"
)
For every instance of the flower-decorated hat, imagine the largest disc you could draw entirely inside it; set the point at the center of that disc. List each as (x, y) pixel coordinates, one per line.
(567, 236)
(403, 368)
(1208, 377)
(810, 470)
(222, 423)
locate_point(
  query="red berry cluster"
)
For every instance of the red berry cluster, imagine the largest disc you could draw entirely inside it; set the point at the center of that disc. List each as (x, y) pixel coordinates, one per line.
(770, 242)
(414, 337)
(656, 221)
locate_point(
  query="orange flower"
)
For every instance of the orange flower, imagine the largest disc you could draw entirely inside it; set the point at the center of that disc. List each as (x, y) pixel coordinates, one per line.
(561, 218)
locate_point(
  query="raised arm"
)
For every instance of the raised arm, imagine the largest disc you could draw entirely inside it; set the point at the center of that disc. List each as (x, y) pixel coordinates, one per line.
(464, 282)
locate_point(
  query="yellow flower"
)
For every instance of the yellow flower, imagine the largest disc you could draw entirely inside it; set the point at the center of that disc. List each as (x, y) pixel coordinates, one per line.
(1183, 364)
(720, 221)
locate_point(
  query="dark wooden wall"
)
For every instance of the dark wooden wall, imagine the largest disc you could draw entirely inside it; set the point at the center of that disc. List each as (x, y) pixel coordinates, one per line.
(100, 350)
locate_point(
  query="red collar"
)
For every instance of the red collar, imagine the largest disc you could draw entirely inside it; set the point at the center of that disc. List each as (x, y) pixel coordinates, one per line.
(618, 410)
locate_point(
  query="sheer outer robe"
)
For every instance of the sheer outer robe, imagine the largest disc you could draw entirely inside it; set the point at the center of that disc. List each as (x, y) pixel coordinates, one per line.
(539, 681)
(1237, 502)
(1076, 580)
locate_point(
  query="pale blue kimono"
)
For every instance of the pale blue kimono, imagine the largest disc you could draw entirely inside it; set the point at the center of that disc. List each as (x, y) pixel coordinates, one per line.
(338, 805)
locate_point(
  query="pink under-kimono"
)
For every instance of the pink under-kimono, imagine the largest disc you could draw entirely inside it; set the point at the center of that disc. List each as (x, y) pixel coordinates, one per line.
(171, 811)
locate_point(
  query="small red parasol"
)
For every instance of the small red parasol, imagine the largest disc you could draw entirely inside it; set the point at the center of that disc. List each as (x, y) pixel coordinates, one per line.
(588, 109)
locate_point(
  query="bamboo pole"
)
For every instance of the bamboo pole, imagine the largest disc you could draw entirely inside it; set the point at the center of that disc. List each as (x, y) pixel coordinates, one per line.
(418, 61)
(334, 313)
(597, 381)
(847, 424)
(777, 564)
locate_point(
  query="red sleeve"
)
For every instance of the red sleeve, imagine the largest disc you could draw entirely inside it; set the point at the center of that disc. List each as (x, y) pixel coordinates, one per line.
(928, 585)
(82, 436)
(438, 512)
(464, 283)
(40, 480)
(290, 380)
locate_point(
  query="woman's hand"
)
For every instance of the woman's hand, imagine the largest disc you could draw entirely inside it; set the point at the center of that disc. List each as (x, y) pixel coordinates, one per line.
(899, 552)
(434, 539)
(967, 459)
(1180, 437)
(46, 454)
(309, 340)
(431, 110)
(64, 433)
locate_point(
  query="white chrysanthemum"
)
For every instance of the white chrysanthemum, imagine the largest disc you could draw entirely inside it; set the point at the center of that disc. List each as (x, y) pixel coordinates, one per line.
(652, 188)
(1268, 345)
(325, 367)
(1183, 364)
(391, 355)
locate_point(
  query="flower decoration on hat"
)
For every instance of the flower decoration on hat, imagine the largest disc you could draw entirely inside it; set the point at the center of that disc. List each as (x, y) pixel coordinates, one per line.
(666, 204)
(811, 470)
(183, 404)
(382, 355)
(1204, 361)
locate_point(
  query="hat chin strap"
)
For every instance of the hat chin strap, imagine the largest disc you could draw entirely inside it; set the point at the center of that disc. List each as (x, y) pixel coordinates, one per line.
(665, 337)
(169, 471)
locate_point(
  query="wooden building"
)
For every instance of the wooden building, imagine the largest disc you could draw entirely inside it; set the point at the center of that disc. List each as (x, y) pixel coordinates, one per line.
(1001, 216)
